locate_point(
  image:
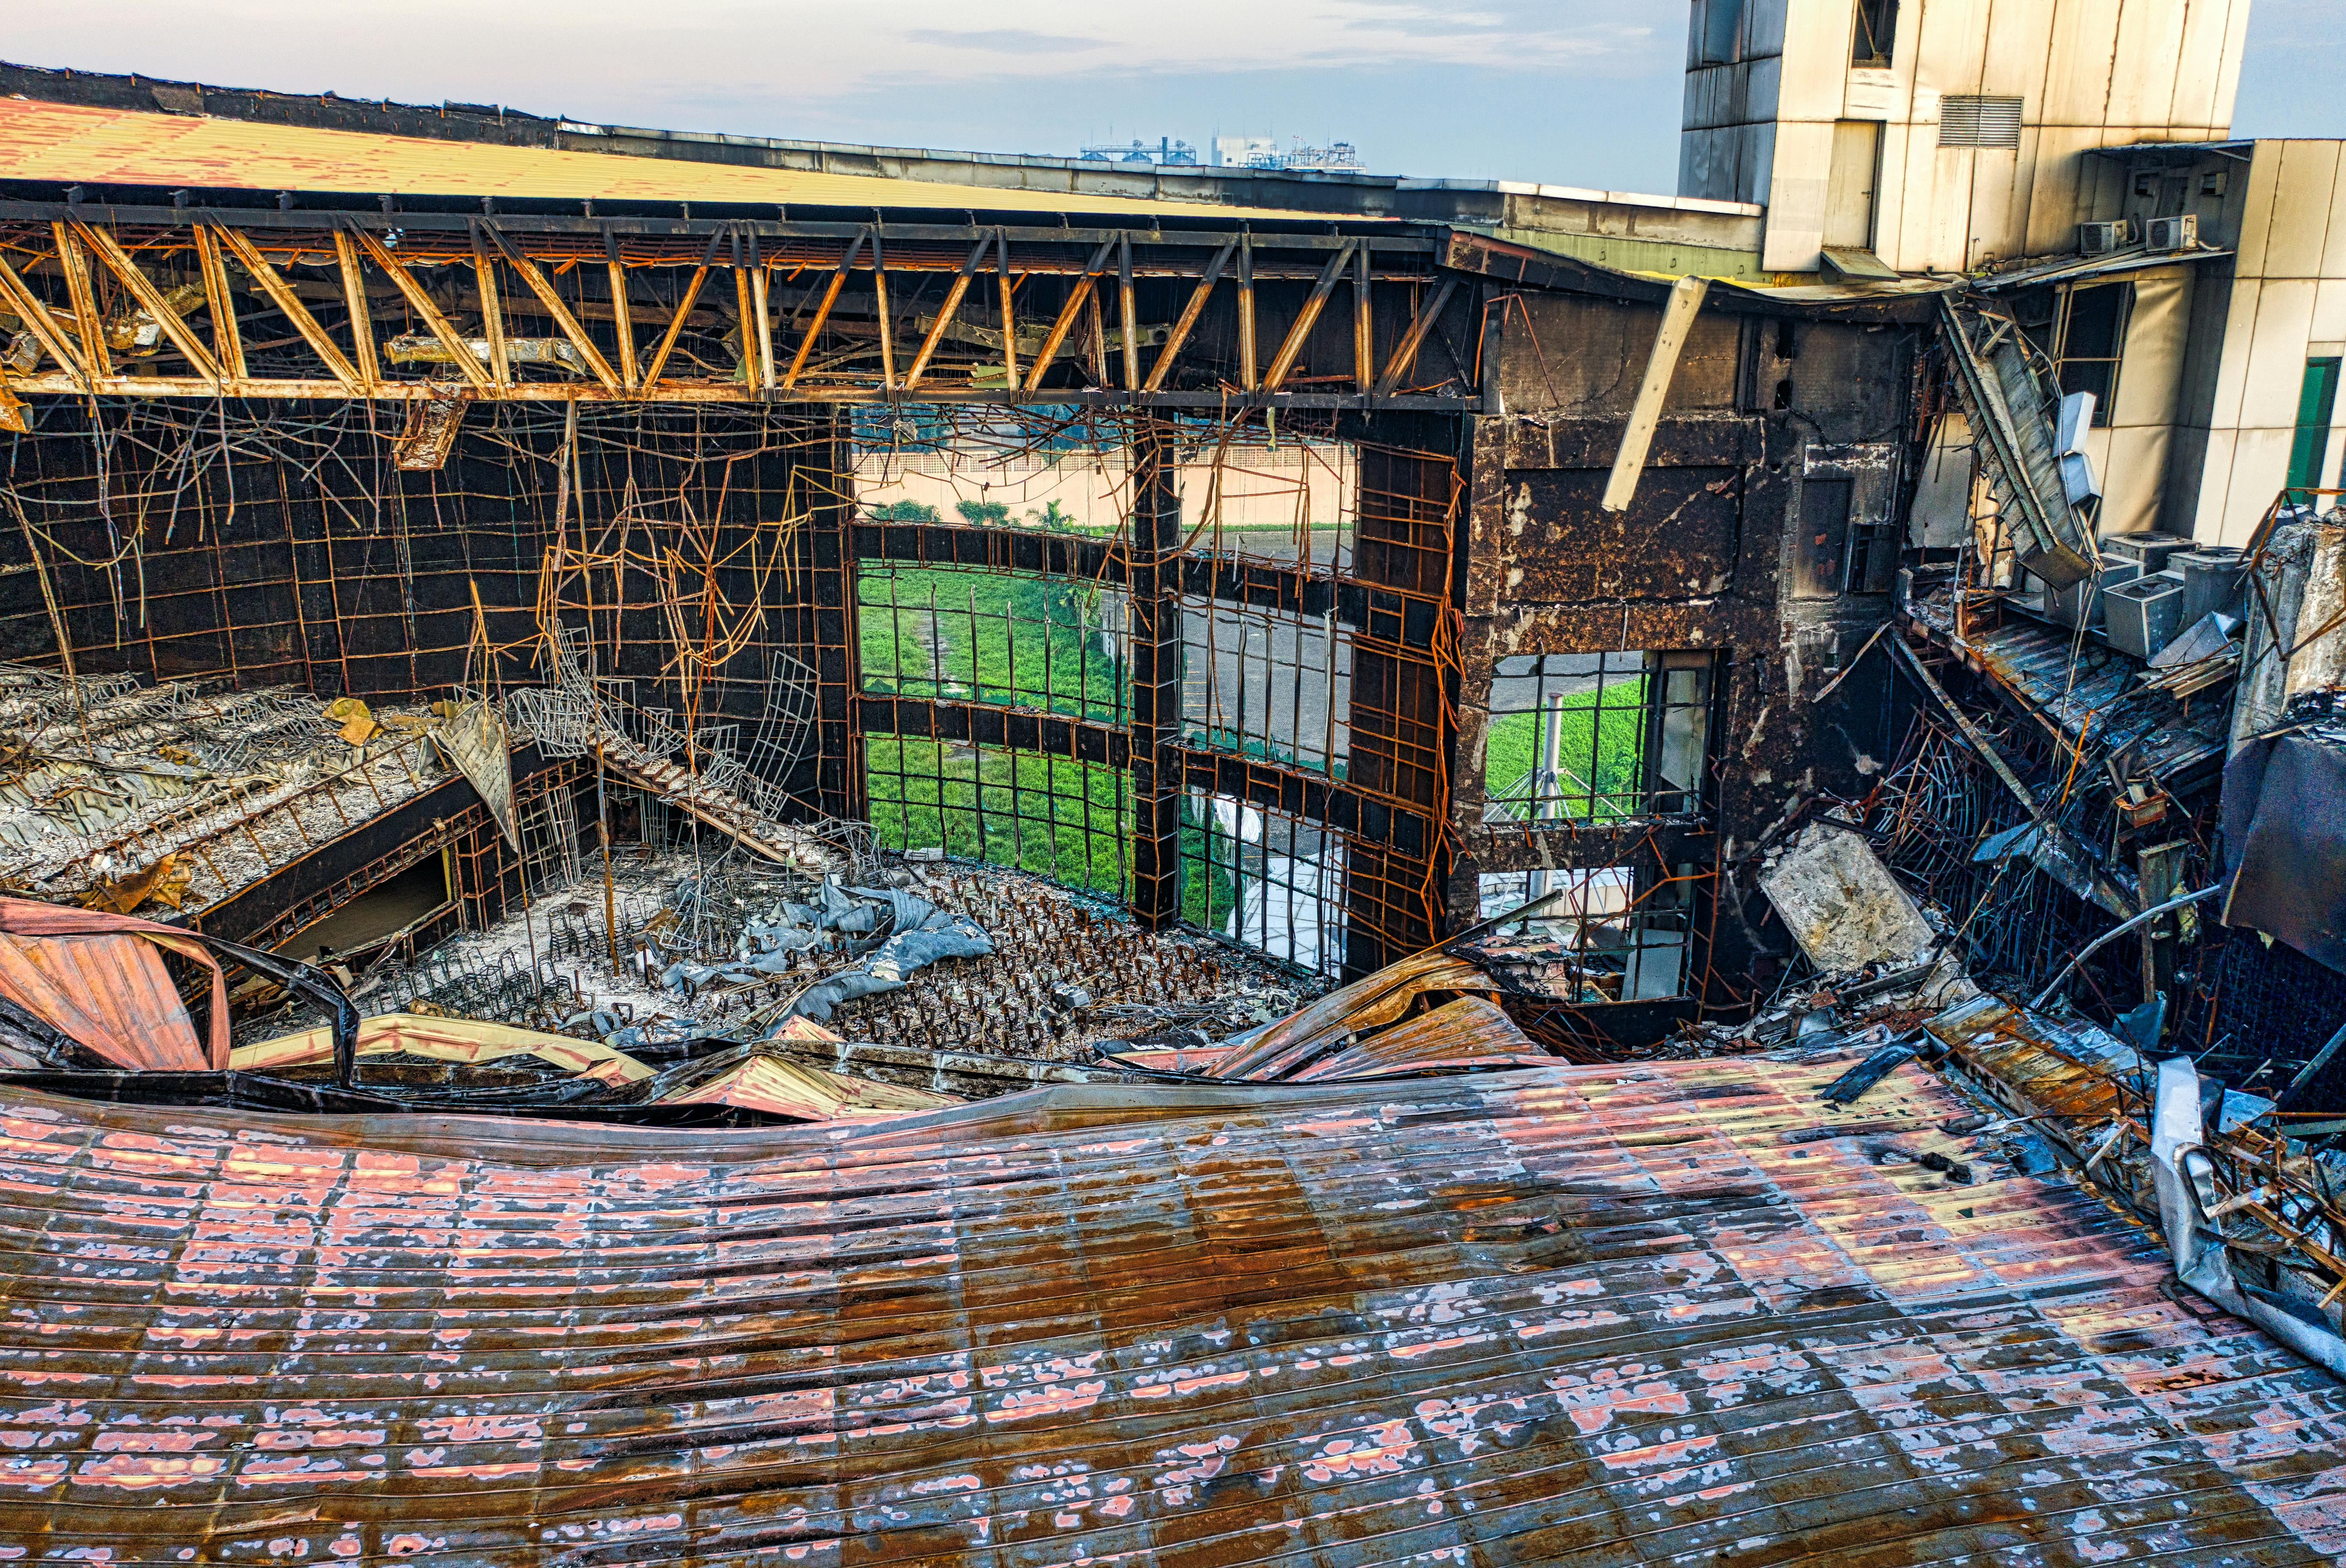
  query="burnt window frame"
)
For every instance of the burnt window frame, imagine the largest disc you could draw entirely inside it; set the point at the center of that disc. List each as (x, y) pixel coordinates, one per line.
(2106, 395)
(1678, 687)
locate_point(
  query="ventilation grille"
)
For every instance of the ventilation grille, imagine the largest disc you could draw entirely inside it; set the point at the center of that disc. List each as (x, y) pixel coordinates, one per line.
(1979, 122)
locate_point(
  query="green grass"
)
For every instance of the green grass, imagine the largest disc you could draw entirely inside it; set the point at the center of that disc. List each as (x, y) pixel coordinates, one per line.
(1604, 749)
(1060, 818)
(1025, 647)
(1209, 893)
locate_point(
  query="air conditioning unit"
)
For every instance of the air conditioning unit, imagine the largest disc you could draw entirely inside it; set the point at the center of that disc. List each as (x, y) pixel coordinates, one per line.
(2101, 239)
(2172, 233)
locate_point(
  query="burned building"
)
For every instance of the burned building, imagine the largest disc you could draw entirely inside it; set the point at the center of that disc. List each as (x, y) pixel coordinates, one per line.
(730, 850)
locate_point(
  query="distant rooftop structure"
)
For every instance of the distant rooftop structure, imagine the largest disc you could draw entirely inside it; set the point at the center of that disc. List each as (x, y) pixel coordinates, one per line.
(1264, 152)
(1166, 150)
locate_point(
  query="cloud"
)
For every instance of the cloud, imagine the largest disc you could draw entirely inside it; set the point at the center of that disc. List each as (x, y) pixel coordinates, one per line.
(1004, 40)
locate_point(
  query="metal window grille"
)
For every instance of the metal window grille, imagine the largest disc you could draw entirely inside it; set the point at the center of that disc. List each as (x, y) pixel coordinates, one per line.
(971, 634)
(1597, 736)
(1620, 933)
(1266, 684)
(1265, 879)
(1062, 818)
(1970, 120)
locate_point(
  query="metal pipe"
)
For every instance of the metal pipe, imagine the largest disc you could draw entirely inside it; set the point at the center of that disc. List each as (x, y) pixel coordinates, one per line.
(2117, 931)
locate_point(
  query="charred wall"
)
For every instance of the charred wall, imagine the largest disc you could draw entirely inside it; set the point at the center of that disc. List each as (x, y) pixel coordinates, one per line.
(1773, 476)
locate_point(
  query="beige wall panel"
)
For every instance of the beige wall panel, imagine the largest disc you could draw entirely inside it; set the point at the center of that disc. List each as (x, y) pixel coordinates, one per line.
(2150, 375)
(1953, 44)
(2199, 64)
(2301, 217)
(1999, 201)
(1890, 195)
(1816, 59)
(2082, 35)
(2142, 72)
(2329, 311)
(2260, 470)
(2212, 475)
(2053, 196)
(2227, 74)
(2257, 210)
(2232, 365)
(2332, 263)
(2013, 52)
(2134, 479)
(2277, 354)
(1796, 210)
(1915, 191)
(1953, 170)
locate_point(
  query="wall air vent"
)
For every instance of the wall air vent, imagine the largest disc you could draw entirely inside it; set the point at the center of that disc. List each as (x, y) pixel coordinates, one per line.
(2172, 233)
(1967, 121)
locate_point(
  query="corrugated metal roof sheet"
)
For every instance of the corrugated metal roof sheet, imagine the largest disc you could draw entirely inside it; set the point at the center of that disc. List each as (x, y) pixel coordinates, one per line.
(1600, 1315)
(65, 142)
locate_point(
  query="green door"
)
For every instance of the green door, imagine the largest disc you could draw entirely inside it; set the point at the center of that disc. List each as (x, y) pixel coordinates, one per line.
(2315, 404)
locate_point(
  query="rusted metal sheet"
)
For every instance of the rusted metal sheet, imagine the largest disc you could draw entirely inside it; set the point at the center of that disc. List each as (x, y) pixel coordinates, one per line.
(98, 979)
(1598, 1315)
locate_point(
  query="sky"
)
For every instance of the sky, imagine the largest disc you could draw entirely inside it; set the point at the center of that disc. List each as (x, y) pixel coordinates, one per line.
(1572, 92)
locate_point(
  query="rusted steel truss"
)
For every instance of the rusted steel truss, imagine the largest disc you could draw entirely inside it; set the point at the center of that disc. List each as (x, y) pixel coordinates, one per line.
(188, 302)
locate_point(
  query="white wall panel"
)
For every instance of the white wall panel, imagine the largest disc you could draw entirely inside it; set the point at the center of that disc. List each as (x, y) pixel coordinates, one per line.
(2142, 73)
(2329, 310)
(2150, 376)
(2227, 75)
(2199, 64)
(2134, 479)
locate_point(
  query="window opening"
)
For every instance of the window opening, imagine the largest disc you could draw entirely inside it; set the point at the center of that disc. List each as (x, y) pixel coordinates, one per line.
(1597, 736)
(1877, 30)
(1018, 639)
(1263, 683)
(1056, 816)
(1265, 879)
(1620, 933)
(2090, 340)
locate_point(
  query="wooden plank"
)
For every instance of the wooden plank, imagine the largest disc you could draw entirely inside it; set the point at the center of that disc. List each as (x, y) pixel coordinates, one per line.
(535, 279)
(887, 325)
(1009, 310)
(150, 298)
(1248, 358)
(1188, 318)
(1066, 316)
(228, 341)
(74, 263)
(759, 303)
(622, 321)
(1128, 316)
(683, 309)
(346, 252)
(421, 302)
(53, 335)
(1364, 368)
(1404, 352)
(1291, 347)
(823, 312)
(280, 294)
(492, 312)
(946, 312)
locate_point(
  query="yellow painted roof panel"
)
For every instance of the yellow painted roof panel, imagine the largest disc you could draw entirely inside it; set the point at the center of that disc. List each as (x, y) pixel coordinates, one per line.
(69, 142)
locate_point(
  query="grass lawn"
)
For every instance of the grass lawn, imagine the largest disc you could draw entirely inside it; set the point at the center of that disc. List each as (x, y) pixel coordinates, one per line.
(1601, 753)
(1063, 819)
(998, 636)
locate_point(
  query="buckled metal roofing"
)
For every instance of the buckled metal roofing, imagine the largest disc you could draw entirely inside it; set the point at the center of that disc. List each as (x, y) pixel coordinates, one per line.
(1662, 1313)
